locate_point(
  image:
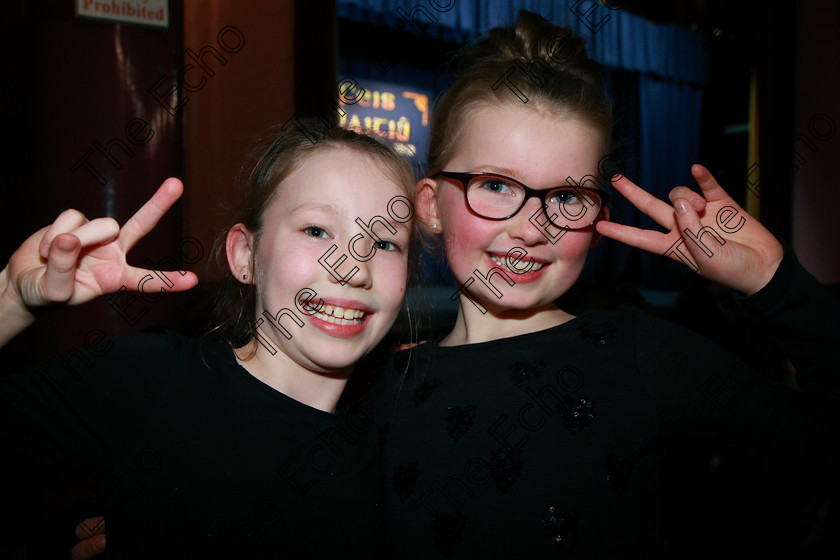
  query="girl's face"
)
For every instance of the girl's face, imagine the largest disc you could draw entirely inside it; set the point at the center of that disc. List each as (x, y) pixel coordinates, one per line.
(314, 210)
(540, 149)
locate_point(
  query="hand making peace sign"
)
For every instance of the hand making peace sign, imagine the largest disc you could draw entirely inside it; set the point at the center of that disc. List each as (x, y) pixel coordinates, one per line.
(747, 260)
(75, 259)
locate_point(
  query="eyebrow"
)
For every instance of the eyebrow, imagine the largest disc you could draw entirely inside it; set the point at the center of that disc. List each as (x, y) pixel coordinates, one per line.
(330, 208)
(500, 170)
(401, 225)
(512, 174)
(338, 211)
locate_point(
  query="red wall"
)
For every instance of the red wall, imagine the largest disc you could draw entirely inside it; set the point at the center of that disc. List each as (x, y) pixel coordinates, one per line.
(252, 91)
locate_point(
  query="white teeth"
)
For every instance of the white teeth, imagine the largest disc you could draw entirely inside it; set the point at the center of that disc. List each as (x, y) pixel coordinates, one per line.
(533, 267)
(337, 315)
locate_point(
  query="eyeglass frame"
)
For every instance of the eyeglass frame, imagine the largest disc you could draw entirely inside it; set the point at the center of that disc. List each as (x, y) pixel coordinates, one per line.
(464, 180)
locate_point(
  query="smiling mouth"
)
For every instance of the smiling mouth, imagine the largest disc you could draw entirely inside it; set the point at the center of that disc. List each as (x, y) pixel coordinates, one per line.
(502, 262)
(337, 315)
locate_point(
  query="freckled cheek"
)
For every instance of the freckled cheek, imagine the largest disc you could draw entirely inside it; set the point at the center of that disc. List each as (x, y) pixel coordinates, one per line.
(574, 246)
(464, 245)
(571, 250)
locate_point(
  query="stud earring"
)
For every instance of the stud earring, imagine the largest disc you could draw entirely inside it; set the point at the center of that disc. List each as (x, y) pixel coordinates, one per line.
(434, 226)
(244, 276)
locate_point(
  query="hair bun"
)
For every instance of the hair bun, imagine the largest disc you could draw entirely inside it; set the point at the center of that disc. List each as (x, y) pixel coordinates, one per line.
(533, 59)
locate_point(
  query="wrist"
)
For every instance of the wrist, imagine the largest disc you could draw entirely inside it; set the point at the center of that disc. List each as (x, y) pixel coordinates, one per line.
(769, 271)
(14, 315)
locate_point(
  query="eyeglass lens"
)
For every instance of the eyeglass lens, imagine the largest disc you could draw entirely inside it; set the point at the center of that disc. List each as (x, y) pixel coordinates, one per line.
(499, 197)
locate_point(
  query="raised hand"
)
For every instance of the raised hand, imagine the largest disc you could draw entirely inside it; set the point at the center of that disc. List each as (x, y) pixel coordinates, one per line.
(75, 259)
(711, 234)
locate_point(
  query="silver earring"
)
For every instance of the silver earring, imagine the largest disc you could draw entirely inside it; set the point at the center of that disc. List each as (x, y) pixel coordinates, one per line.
(434, 226)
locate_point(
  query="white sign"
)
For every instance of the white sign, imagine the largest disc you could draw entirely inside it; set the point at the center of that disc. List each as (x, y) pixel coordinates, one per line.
(144, 12)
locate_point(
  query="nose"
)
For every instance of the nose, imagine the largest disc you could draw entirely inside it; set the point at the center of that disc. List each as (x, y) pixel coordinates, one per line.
(521, 227)
(355, 273)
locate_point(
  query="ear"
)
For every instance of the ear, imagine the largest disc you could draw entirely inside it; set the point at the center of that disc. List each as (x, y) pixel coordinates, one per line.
(605, 215)
(239, 247)
(427, 204)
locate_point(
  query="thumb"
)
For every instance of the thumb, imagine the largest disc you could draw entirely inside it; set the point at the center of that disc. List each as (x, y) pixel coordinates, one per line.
(59, 280)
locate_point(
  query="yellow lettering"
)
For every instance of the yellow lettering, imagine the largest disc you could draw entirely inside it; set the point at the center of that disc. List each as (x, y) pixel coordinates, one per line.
(421, 102)
(403, 130)
(388, 101)
(377, 122)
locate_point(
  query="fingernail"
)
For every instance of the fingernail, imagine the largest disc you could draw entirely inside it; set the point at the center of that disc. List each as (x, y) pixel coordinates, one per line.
(681, 206)
(66, 244)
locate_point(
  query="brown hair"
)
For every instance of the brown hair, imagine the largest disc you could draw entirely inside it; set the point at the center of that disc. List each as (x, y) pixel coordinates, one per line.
(531, 61)
(274, 157)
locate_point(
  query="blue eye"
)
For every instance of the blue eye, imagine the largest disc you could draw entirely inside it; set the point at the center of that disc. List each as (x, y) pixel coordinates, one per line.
(497, 186)
(568, 196)
(316, 231)
(386, 245)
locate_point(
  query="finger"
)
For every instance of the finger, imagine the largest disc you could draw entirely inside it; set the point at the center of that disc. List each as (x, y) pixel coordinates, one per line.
(712, 191)
(96, 232)
(652, 241)
(691, 229)
(145, 219)
(88, 548)
(697, 202)
(66, 222)
(156, 281)
(59, 279)
(661, 212)
(89, 527)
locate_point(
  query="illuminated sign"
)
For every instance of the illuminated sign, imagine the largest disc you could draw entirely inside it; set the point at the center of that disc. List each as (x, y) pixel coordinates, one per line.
(391, 112)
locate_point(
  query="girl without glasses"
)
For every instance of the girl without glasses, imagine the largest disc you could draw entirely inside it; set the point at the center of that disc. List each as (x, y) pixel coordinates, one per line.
(231, 445)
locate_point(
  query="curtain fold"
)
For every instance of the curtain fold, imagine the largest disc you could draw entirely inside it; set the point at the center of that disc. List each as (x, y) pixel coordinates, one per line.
(617, 38)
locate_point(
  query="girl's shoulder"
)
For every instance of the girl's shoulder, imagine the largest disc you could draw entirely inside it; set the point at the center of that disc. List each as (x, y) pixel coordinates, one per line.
(145, 356)
(151, 345)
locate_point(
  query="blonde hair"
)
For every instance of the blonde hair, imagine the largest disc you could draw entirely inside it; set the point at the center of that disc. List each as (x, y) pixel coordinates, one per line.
(532, 61)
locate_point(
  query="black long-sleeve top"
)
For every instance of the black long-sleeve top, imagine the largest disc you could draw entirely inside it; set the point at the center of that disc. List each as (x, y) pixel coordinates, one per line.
(550, 444)
(196, 458)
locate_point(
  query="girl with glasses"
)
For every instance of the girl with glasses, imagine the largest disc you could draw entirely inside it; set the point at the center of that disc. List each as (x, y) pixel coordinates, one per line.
(527, 431)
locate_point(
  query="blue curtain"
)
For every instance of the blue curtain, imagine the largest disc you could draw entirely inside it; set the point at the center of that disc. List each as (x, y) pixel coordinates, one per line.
(617, 38)
(655, 73)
